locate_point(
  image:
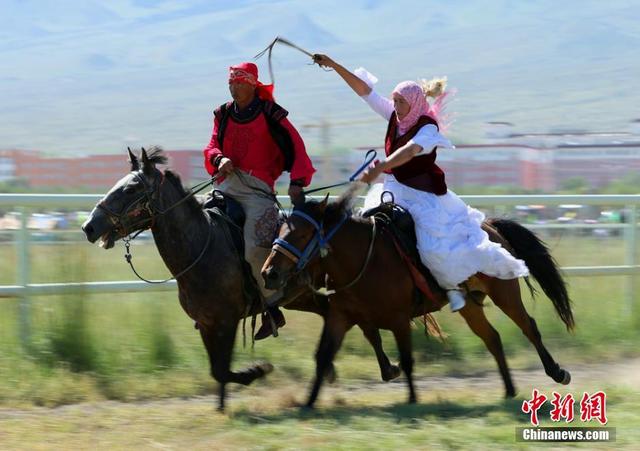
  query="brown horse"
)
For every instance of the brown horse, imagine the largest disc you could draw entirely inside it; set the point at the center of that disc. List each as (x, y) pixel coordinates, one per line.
(197, 248)
(375, 290)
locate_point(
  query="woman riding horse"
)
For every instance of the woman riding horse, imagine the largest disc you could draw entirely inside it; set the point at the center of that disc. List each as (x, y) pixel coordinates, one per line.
(451, 242)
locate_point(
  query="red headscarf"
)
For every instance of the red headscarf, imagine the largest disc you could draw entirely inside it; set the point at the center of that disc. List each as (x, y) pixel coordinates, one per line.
(248, 73)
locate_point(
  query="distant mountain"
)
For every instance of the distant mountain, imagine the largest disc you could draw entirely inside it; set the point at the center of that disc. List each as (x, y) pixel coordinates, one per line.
(92, 75)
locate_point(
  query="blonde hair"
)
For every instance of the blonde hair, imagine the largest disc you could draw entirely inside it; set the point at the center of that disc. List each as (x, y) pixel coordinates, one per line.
(433, 88)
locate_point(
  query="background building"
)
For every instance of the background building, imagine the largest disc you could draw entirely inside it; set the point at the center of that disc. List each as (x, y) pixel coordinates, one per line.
(533, 161)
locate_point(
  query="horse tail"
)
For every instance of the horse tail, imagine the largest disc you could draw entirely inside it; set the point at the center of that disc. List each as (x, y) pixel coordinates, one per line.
(541, 264)
(432, 327)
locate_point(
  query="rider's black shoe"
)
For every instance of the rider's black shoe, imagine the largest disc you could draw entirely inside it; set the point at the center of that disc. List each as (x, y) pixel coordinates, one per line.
(266, 329)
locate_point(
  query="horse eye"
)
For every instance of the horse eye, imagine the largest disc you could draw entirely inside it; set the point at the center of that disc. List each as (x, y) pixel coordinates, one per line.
(129, 189)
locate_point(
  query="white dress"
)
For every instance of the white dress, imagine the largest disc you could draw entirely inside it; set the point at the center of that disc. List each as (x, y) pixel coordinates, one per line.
(451, 242)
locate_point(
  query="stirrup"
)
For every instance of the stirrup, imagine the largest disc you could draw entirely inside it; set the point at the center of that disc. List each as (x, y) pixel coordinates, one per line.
(267, 329)
(456, 299)
(272, 322)
(270, 325)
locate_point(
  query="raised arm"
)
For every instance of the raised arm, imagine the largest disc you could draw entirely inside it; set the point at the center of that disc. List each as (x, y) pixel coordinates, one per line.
(379, 104)
(358, 86)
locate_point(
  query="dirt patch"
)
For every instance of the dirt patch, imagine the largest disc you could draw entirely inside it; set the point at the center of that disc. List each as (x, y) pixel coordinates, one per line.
(584, 377)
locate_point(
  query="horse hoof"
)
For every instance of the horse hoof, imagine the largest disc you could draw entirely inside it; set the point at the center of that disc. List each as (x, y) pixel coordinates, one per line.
(567, 378)
(265, 368)
(392, 372)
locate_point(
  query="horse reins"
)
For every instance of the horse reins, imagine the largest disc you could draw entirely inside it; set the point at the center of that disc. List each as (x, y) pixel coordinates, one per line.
(362, 270)
(129, 257)
(154, 211)
(368, 159)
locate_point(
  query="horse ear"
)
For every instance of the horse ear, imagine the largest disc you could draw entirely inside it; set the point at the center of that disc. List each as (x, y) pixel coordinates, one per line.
(135, 165)
(324, 202)
(147, 165)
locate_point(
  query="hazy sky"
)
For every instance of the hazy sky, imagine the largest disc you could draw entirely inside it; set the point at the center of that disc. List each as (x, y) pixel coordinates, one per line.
(95, 76)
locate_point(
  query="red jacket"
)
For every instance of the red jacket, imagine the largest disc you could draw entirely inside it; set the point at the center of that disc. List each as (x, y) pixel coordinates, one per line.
(252, 149)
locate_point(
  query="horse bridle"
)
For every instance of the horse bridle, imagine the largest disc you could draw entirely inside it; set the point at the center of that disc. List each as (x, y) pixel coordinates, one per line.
(154, 211)
(319, 243)
(129, 211)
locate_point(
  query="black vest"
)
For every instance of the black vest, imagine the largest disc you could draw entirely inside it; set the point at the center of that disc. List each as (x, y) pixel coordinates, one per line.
(421, 172)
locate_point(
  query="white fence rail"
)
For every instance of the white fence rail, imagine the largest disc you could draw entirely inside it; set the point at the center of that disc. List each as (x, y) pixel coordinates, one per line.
(25, 203)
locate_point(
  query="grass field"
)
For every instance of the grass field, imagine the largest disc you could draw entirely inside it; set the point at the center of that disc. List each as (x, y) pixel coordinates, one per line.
(142, 346)
(467, 414)
(113, 370)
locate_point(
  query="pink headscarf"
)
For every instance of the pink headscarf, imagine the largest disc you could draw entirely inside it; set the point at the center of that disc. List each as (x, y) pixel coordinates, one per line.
(414, 95)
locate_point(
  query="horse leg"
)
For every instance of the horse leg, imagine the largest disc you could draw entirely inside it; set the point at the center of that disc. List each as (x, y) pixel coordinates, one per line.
(318, 304)
(218, 341)
(478, 323)
(387, 370)
(403, 340)
(331, 375)
(506, 295)
(335, 327)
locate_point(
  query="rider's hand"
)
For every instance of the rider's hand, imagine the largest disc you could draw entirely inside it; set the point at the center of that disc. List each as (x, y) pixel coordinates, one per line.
(225, 167)
(372, 172)
(296, 194)
(324, 61)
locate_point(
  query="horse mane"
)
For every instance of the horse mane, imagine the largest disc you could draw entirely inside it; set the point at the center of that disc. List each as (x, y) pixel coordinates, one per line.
(156, 155)
(344, 204)
(193, 203)
(341, 206)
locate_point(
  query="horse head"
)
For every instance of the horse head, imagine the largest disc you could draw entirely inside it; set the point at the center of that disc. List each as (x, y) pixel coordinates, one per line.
(293, 249)
(128, 206)
(304, 236)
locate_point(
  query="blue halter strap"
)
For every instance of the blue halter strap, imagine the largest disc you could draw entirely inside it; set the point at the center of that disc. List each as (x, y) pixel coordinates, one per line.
(319, 242)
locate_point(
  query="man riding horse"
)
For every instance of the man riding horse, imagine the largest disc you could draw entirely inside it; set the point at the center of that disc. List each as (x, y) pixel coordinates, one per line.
(253, 142)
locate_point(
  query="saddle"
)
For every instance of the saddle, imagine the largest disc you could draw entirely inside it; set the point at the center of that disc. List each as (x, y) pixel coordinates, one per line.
(399, 223)
(231, 212)
(225, 206)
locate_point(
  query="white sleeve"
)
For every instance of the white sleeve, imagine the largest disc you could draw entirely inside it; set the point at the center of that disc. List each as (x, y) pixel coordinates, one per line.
(379, 104)
(428, 138)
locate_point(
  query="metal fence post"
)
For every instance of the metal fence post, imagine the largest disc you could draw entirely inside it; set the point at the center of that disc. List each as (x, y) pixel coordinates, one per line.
(631, 242)
(23, 276)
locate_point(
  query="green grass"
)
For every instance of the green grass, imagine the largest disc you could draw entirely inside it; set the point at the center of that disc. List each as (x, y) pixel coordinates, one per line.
(142, 346)
(266, 419)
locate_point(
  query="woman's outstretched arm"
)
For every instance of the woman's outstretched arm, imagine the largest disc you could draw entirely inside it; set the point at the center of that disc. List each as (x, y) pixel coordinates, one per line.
(358, 86)
(379, 104)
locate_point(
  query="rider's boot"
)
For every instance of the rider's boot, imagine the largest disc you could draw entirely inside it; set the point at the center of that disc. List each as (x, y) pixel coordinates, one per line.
(456, 299)
(272, 320)
(272, 317)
